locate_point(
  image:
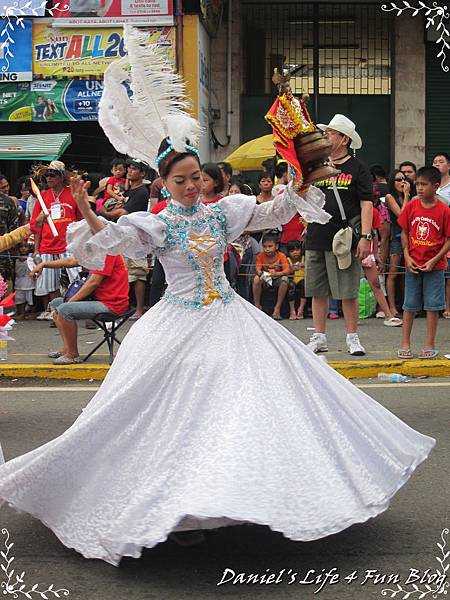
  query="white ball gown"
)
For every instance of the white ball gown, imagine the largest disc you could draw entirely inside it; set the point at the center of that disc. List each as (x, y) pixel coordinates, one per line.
(212, 413)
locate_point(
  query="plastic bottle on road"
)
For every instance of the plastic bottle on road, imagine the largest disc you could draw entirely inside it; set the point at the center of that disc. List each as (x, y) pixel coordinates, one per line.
(3, 349)
(393, 377)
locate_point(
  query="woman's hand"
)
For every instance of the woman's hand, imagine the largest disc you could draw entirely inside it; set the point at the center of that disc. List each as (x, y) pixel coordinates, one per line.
(79, 189)
(406, 188)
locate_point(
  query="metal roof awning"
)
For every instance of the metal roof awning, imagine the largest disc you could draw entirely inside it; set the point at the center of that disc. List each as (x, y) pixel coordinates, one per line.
(42, 146)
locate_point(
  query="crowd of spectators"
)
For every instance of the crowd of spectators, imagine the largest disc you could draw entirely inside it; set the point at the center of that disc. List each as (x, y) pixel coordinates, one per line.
(267, 268)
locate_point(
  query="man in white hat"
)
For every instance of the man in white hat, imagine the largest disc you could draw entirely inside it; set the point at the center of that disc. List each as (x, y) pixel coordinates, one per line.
(332, 265)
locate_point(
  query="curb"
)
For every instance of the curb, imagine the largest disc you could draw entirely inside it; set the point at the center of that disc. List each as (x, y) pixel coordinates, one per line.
(351, 369)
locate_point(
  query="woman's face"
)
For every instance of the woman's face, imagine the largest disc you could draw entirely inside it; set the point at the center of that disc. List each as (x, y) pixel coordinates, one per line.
(235, 189)
(184, 181)
(208, 184)
(399, 182)
(266, 184)
(441, 163)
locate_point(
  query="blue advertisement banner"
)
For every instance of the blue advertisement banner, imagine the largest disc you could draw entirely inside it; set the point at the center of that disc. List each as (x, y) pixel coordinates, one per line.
(15, 51)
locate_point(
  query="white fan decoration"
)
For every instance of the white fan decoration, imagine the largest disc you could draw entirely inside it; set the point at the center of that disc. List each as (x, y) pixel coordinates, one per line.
(157, 107)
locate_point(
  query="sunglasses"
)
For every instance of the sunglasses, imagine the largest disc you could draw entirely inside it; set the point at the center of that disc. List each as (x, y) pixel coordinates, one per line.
(400, 179)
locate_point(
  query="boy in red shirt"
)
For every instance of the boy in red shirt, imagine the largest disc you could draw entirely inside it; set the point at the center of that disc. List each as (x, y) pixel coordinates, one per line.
(63, 211)
(425, 223)
(272, 269)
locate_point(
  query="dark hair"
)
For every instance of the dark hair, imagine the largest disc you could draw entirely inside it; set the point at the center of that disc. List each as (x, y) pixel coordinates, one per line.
(226, 168)
(407, 163)
(3, 177)
(293, 245)
(270, 237)
(377, 171)
(431, 173)
(213, 170)
(118, 161)
(244, 188)
(391, 183)
(266, 175)
(281, 169)
(172, 158)
(444, 154)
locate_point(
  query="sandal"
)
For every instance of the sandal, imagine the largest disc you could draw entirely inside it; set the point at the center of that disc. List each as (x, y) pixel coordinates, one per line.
(405, 353)
(55, 354)
(277, 317)
(446, 314)
(428, 353)
(393, 322)
(66, 360)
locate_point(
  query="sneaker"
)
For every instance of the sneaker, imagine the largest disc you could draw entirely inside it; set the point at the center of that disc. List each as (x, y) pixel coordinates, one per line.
(354, 345)
(318, 343)
(43, 316)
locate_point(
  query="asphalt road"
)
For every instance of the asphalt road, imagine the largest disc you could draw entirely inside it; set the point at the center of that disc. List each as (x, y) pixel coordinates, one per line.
(401, 539)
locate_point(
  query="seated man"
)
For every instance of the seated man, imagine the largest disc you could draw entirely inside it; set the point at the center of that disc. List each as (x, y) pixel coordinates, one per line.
(105, 290)
(272, 271)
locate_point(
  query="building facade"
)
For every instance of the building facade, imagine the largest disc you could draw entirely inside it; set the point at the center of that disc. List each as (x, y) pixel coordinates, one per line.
(352, 58)
(378, 68)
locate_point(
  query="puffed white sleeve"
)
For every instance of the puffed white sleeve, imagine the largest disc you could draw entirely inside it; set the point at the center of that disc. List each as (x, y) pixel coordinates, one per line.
(243, 213)
(134, 235)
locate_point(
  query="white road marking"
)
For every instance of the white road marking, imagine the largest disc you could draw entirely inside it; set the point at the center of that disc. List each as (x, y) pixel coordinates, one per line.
(93, 388)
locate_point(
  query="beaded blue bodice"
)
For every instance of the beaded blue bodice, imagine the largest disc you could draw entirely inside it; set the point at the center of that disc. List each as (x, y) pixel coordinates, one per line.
(192, 255)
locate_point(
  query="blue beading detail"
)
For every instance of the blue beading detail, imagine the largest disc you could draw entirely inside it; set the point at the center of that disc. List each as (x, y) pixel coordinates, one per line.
(177, 234)
(183, 210)
(163, 155)
(192, 149)
(170, 148)
(165, 193)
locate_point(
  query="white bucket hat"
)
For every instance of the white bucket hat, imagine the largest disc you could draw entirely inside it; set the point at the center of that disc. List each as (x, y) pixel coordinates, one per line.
(342, 247)
(343, 124)
(57, 165)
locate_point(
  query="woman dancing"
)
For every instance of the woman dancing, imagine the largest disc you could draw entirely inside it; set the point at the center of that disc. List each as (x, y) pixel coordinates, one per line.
(212, 413)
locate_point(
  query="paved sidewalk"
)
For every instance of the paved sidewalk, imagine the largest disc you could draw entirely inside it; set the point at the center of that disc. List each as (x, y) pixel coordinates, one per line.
(34, 339)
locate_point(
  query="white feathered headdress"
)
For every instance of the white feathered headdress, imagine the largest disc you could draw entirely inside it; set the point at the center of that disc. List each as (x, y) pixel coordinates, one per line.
(157, 107)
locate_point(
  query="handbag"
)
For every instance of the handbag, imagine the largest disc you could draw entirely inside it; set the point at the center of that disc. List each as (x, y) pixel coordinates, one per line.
(354, 223)
(76, 285)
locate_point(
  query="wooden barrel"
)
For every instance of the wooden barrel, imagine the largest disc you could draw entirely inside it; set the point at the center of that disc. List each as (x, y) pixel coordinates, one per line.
(312, 147)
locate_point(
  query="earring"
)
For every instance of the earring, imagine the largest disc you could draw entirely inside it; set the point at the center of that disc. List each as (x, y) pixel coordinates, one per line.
(165, 193)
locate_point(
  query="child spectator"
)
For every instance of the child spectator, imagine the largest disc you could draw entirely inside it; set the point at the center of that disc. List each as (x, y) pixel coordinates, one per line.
(23, 284)
(296, 294)
(369, 265)
(272, 270)
(425, 223)
(116, 184)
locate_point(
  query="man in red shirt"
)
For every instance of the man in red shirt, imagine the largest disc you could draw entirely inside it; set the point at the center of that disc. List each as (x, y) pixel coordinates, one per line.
(105, 290)
(425, 223)
(63, 211)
